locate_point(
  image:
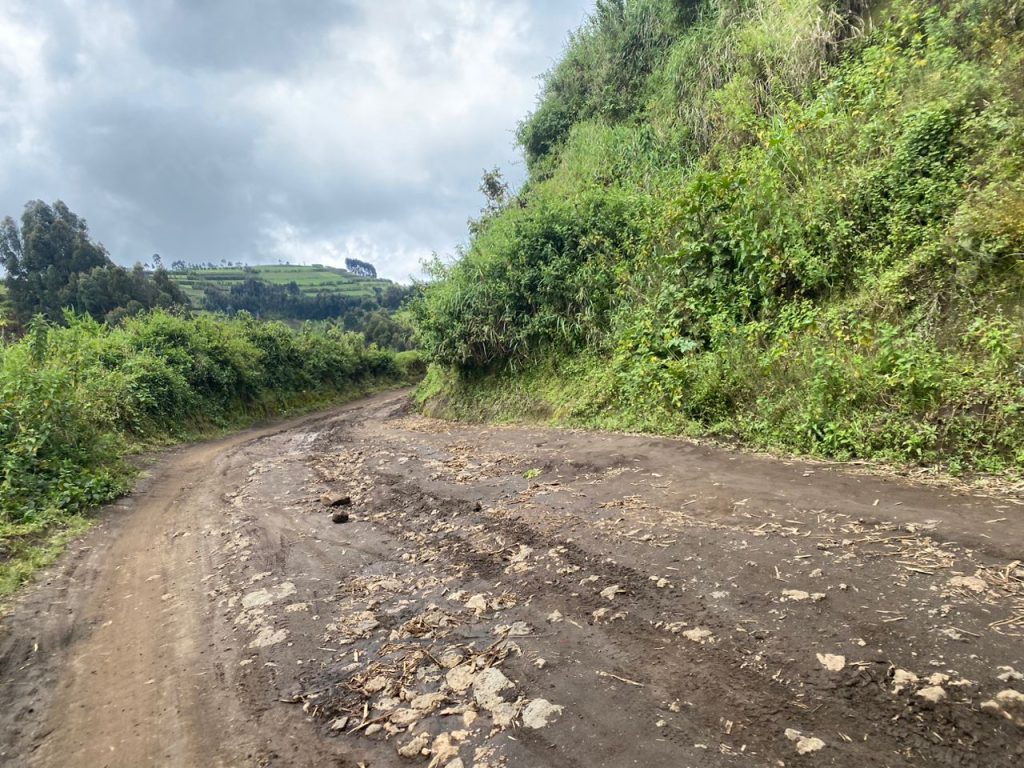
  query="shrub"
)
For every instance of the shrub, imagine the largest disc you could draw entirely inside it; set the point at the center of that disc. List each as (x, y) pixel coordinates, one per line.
(74, 398)
(781, 221)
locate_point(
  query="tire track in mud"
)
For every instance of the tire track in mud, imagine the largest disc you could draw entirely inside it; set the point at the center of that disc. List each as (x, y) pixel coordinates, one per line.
(716, 672)
(523, 597)
(629, 644)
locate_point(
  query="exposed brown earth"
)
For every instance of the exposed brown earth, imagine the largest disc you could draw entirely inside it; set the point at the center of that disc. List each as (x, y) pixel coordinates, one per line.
(519, 597)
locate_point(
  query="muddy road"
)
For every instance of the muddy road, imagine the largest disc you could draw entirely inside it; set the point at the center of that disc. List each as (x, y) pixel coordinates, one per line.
(519, 597)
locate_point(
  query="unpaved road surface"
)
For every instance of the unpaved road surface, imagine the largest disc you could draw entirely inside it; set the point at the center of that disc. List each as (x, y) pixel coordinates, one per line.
(519, 597)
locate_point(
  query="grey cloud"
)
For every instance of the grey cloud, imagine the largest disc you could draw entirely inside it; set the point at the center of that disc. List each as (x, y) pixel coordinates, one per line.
(265, 130)
(268, 35)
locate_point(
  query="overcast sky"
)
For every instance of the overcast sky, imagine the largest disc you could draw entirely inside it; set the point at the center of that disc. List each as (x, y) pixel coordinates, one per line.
(261, 130)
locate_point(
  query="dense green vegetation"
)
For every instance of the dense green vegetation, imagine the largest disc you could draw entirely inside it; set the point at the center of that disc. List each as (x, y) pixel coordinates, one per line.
(76, 398)
(311, 280)
(97, 361)
(799, 223)
(354, 298)
(52, 265)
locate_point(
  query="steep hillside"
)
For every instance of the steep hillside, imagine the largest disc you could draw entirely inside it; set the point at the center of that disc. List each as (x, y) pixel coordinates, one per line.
(799, 223)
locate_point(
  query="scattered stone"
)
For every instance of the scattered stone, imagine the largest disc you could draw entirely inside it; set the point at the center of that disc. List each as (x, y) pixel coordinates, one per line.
(973, 583)
(522, 555)
(832, 662)
(1008, 674)
(387, 703)
(461, 678)
(341, 516)
(451, 658)
(404, 717)
(540, 663)
(515, 629)
(504, 714)
(697, 635)
(901, 679)
(477, 603)
(442, 751)
(540, 713)
(804, 744)
(554, 617)
(340, 724)
(353, 626)
(335, 500)
(798, 595)
(609, 593)
(807, 745)
(414, 748)
(427, 702)
(932, 694)
(269, 636)
(376, 684)
(1008, 704)
(267, 596)
(487, 688)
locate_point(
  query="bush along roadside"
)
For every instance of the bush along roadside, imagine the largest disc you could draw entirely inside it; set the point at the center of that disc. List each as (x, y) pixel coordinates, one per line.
(75, 400)
(795, 224)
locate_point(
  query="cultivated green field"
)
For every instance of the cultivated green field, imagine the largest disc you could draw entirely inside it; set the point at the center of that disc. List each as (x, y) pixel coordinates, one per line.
(311, 279)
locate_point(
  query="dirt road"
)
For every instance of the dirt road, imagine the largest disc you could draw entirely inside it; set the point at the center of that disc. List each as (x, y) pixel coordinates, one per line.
(519, 597)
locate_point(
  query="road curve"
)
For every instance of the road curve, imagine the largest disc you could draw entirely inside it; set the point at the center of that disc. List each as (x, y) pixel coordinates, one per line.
(519, 597)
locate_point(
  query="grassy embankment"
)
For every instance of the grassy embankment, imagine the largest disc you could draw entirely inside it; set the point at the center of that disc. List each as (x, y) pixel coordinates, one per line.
(783, 222)
(76, 400)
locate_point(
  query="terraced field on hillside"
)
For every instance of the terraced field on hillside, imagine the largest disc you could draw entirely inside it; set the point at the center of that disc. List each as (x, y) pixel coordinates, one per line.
(311, 279)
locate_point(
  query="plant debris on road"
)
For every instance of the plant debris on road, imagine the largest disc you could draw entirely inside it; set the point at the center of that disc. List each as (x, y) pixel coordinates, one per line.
(519, 597)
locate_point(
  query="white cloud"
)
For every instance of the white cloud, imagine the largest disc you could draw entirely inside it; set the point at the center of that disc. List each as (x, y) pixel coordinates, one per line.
(263, 129)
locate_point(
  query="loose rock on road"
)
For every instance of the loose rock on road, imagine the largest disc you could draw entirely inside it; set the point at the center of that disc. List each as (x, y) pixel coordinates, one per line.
(519, 597)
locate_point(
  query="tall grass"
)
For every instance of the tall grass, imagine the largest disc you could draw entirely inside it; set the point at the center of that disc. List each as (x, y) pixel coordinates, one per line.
(786, 221)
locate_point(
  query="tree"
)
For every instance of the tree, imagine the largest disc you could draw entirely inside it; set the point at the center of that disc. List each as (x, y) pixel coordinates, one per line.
(393, 296)
(44, 258)
(495, 190)
(52, 265)
(386, 331)
(361, 268)
(497, 197)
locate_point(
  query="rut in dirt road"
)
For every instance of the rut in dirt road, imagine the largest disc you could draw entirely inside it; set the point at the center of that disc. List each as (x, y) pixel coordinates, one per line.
(520, 597)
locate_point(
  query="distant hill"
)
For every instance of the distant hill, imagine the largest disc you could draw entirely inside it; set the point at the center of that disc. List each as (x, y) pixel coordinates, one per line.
(297, 294)
(311, 280)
